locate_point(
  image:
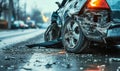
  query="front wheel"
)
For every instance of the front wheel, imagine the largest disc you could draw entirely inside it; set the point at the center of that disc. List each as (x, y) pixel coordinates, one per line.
(73, 38)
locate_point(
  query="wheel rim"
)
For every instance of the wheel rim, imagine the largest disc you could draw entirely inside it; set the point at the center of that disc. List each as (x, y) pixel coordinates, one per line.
(71, 34)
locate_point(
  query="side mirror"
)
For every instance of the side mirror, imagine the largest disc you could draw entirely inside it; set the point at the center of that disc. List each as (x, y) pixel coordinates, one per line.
(59, 5)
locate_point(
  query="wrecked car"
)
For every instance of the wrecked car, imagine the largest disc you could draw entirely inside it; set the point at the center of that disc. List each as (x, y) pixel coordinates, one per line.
(86, 21)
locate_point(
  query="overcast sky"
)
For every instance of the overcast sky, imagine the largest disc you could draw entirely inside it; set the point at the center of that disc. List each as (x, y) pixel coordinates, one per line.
(44, 5)
(47, 5)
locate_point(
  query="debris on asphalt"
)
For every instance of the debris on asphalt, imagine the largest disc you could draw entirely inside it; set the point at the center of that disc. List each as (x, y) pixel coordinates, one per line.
(67, 65)
(102, 67)
(38, 61)
(118, 69)
(62, 52)
(11, 67)
(9, 58)
(95, 60)
(45, 44)
(1, 66)
(48, 65)
(81, 68)
(95, 68)
(27, 68)
(54, 63)
(114, 60)
(25, 59)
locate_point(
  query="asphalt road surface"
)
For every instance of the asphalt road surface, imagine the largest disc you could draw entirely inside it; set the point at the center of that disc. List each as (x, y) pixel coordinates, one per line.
(18, 57)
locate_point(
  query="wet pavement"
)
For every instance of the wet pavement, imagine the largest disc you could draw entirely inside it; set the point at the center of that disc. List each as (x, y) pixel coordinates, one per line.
(17, 36)
(18, 57)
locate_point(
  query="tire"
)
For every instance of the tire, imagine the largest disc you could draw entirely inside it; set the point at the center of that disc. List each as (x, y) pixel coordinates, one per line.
(52, 32)
(73, 38)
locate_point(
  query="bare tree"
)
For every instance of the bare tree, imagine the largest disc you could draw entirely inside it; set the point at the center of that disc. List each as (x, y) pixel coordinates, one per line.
(37, 16)
(1, 6)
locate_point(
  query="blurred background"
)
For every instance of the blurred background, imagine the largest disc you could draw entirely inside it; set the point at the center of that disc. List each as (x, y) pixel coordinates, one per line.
(20, 14)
